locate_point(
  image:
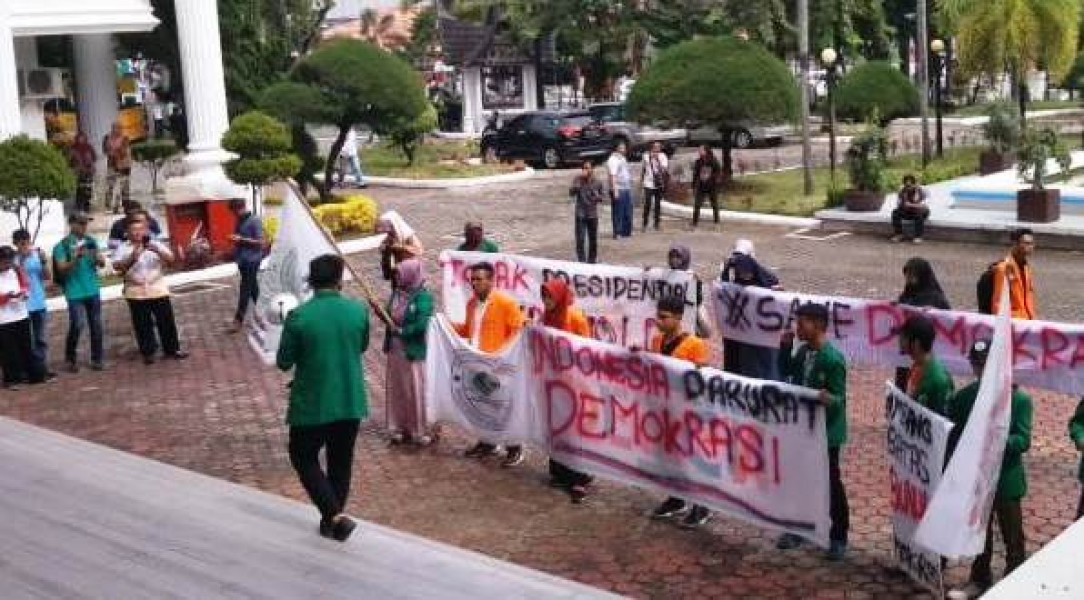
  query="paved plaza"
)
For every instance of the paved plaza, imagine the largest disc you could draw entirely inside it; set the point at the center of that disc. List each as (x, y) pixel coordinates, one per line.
(221, 413)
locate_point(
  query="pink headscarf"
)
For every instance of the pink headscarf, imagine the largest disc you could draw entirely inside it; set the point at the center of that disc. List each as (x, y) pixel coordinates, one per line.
(409, 278)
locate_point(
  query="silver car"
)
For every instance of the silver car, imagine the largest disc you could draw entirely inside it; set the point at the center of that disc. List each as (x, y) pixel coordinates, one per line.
(636, 137)
(743, 136)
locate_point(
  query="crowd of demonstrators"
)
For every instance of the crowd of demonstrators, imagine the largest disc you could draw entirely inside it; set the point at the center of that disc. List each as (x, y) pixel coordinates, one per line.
(673, 341)
(705, 185)
(587, 193)
(118, 154)
(559, 313)
(76, 259)
(400, 243)
(492, 321)
(35, 267)
(248, 252)
(410, 308)
(654, 179)
(475, 240)
(620, 179)
(910, 206)
(16, 337)
(750, 360)
(142, 261)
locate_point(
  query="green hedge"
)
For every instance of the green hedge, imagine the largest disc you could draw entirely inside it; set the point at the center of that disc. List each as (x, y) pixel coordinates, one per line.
(876, 90)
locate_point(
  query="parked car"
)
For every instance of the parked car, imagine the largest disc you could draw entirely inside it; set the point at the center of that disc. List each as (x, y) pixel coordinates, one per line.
(637, 138)
(743, 137)
(550, 138)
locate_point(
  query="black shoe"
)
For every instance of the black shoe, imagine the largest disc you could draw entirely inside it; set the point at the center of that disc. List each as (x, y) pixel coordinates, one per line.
(696, 517)
(148, 359)
(97, 366)
(73, 367)
(481, 450)
(342, 528)
(672, 507)
(327, 529)
(514, 458)
(50, 376)
(178, 355)
(577, 493)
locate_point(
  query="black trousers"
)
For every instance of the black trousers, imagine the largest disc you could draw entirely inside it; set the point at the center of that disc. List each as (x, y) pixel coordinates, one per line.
(652, 197)
(250, 288)
(327, 490)
(1010, 520)
(701, 195)
(838, 509)
(84, 191)
(17, 354)
(148, 315)
(586, 239)
(566, 475)
(919, 217)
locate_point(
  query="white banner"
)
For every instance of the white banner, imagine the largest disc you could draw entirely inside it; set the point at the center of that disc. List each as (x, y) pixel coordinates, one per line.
(755, 450)
(1046, 355)
(485, 394)
(955, 523)
(282, 280)
(619, 301)
(916, 440)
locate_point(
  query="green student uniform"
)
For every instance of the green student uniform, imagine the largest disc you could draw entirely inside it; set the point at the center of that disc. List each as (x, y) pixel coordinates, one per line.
(1076, 433)
(487, 245)
(415, 325)
(935, 390)
(1013, 483)
(828, 372)
(324, 338)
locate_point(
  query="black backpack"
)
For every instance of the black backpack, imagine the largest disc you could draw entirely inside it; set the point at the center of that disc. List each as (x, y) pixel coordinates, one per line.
(984, 290)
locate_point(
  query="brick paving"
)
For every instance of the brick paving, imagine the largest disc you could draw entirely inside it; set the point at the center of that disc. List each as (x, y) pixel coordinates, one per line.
(220, 413)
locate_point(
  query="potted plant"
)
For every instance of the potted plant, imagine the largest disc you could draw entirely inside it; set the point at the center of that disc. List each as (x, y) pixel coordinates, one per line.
(1038, 147)
(866, 161)
(1002, 132)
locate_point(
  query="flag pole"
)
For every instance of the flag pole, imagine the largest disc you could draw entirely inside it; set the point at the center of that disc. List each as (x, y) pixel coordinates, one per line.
(363, 282)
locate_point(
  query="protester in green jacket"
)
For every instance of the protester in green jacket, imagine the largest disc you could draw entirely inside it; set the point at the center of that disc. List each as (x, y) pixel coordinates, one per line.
(928, 382)
(323, 341)
(820, 366)
(475, 240)
(1076, 433)
(1012, 483)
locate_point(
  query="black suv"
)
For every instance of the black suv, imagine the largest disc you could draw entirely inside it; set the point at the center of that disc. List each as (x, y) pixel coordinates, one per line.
(550, 139)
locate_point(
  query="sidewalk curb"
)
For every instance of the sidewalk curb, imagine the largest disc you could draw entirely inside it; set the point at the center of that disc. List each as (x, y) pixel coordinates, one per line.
(457, 182)
(116, 292)
(686, 212)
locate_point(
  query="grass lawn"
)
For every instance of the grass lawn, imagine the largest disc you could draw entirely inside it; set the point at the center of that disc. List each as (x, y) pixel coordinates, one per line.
(979, 110)
(436, 159)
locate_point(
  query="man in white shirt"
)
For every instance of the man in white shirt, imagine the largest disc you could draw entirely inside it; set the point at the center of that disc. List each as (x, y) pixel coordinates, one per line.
(654, 177)
(142, 261)
(620, 192)
(349, 153)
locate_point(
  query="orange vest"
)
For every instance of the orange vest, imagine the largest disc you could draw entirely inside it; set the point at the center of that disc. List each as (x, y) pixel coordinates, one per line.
(501, 321)
(692, 349)
(1021, 289)
(576, 323)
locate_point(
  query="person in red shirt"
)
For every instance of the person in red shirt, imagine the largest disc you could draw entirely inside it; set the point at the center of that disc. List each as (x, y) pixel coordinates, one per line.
(672, 340)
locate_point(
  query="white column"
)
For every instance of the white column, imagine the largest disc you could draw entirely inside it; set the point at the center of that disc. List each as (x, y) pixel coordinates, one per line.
(11, 120)
(204, 82)
(96, 85)
(472, 100)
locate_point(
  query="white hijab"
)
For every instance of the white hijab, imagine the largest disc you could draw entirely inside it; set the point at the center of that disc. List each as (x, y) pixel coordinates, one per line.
(397, 224)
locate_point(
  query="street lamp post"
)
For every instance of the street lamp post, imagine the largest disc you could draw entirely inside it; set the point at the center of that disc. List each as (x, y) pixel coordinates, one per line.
(828, 59)
(937, 47)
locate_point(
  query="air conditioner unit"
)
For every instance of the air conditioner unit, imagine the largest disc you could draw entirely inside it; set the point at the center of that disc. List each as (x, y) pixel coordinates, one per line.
(41, 83)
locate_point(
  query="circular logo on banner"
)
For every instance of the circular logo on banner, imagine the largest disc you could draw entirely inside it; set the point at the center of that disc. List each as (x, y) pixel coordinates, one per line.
(481, 387)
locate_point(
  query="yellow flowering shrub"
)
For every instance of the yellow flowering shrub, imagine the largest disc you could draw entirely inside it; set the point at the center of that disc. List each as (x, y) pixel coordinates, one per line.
(354, 215)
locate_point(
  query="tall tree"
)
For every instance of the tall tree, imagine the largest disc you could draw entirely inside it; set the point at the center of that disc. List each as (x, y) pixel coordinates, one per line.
(1014, 37)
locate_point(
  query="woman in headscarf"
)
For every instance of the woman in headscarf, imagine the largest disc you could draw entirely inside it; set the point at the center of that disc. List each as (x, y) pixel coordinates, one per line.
(401, 242)
(920, 289)
(410, 308)
(557, 300)
(745, 359)
(680, 258)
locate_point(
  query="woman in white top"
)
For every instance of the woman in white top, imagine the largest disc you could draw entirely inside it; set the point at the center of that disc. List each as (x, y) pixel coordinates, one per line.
(16, 348)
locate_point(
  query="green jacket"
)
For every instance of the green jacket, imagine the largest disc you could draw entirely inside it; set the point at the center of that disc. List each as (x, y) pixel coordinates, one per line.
(414, 326)
(487, 245)
(323, 340)
(1076, 432)
(1012, 482)
(828, 372)
(935, 389)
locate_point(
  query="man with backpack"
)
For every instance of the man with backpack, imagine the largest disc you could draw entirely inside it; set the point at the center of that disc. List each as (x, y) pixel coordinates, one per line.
(249, 246)
(76, 260)
(1016, 266)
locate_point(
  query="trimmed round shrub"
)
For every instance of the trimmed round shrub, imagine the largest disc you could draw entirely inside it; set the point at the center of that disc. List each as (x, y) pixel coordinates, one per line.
(877, 91)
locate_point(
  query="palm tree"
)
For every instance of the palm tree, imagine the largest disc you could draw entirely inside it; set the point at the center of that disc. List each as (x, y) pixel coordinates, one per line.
(375, 27)
(1014, 36)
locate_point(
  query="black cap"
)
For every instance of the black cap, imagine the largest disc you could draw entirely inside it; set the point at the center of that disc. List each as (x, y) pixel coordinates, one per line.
(79, 217)
(813, 310)
(979, 350)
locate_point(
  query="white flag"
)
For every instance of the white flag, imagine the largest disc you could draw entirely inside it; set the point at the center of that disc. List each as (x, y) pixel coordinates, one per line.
(956, 518)
(283, 279)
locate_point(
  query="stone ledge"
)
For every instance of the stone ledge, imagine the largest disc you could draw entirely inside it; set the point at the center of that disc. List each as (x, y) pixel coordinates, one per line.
(457, 182)
(686, 212)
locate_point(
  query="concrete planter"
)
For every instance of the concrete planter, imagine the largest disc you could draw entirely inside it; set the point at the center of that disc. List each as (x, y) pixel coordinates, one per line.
(992, 161)
(1038, 206)
(863, 201)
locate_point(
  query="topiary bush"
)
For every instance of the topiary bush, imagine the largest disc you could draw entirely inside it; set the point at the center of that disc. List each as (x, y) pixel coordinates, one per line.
(1003, 129)
(31, 172)
(876, 90)
(153, 154)
(262, 144)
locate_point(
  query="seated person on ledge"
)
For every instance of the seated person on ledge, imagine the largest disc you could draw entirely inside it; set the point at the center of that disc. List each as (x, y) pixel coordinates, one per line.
(911, 206)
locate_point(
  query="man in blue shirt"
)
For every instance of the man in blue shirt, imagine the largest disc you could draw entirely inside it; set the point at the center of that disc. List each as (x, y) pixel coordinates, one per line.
(34, 263)
(248, 251)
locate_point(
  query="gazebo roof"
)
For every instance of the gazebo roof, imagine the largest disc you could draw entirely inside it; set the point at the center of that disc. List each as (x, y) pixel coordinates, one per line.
(469, 44)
